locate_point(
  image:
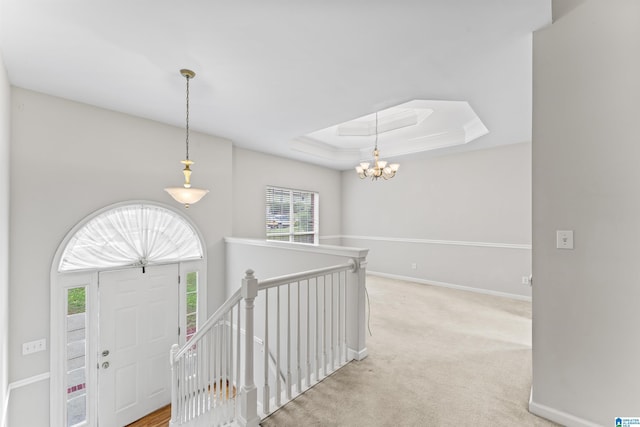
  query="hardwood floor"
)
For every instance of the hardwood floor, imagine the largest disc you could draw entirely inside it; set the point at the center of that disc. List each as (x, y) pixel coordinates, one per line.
(159, 418)
(162, 416)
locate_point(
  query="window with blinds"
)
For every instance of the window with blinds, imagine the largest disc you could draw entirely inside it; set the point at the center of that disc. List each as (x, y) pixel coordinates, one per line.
(292, 215)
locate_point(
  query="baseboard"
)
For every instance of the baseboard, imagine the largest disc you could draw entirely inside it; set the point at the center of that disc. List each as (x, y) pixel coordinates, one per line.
(449, 285)
(357, 355)
(557, 416)
(3, 421)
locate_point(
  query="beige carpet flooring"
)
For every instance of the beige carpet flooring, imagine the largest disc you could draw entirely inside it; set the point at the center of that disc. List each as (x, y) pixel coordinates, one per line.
(437, 357)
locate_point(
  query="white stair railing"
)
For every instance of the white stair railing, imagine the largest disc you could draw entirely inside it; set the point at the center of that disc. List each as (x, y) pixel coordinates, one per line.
(313, 323)
(205, 372)
(305, 324)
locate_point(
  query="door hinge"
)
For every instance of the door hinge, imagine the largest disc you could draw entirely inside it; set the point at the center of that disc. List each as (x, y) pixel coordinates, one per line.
(178, 279)
(178, 330)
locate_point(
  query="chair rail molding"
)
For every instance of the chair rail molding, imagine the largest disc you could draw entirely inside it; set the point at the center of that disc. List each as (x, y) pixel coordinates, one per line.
(523, 246)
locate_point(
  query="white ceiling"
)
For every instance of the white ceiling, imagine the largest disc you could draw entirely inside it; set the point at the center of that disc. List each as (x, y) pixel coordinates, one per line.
(270, 72)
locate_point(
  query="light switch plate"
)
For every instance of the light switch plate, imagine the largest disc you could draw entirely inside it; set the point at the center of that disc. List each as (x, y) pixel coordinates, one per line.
(34, 346)
(564, 239)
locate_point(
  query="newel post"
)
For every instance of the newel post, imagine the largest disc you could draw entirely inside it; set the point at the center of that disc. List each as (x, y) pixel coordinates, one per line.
(356, 303)
(249, 393)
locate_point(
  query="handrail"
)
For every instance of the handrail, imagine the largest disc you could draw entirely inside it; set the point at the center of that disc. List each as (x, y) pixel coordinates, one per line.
(216, 354)
(310, 274)
(224, 308)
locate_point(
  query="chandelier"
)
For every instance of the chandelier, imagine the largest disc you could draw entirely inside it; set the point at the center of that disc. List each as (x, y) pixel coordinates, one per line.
(186, 194)
(380, 169)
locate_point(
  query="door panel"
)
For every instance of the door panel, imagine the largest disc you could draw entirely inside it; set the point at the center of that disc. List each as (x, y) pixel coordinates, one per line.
(138, 325)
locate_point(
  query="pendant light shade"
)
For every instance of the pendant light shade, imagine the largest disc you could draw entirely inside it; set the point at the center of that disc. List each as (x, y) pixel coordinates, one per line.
(186, 194)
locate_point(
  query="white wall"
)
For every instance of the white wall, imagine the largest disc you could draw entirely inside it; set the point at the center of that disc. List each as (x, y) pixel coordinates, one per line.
(254, 171)
(585, 178)
(464, 219)
(5, 116)
(69, 160)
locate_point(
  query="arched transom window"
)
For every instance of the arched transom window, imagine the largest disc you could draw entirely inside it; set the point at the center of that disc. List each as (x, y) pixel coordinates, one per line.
(131, 235)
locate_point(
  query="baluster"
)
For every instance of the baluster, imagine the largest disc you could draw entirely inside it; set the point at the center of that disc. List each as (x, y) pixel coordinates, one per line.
(308, 337)
(208, 345)
(343, 298)
(231, 360)
(211, 388)
(229, 381)
(225, 375)
(179, 391)
(238, 367)
(174, 383)
(187, 368)
(298, 371)
(185, 386)
(339, 319)
(218, 363)
(187, 383)
(227, 362)
(190, 382)
(333, 368)
(265, 391)
(205, 349)
(325, 345)
(219, 359)
(278, 388)
(289, 341)
(199, 379)
(223, 368)
(203, 382)
(195, 395)
(318, 348)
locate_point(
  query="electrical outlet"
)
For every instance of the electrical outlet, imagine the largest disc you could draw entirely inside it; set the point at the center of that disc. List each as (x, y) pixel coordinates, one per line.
(564, 239)
(34, 346)
(525, 280)
(414, 266)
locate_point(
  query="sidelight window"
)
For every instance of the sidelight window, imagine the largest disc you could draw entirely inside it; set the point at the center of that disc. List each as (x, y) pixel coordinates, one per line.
(76, 356)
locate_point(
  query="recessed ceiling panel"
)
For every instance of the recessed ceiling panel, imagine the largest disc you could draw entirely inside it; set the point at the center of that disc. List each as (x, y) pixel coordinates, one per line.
(415, 126)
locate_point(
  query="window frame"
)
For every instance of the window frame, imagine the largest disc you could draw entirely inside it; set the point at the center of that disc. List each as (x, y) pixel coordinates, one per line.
(292, 234)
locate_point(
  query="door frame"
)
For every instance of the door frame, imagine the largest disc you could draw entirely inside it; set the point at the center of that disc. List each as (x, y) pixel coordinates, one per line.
(60, 282)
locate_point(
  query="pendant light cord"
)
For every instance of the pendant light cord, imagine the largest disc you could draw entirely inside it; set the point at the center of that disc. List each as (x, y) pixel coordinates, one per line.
(376, 130)
(187, 127)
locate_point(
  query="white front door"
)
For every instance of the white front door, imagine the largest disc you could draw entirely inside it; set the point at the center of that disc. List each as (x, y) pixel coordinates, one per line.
(138, 325)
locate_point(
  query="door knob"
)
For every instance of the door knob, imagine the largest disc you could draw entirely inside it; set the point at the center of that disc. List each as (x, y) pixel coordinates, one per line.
(105, 353)
(105, 365)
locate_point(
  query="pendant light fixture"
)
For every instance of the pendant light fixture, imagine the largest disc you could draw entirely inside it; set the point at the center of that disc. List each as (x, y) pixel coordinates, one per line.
(380, 168)
(186, 194)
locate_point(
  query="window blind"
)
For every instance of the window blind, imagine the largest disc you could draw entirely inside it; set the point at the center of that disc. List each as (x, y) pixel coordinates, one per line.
(291, 215)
